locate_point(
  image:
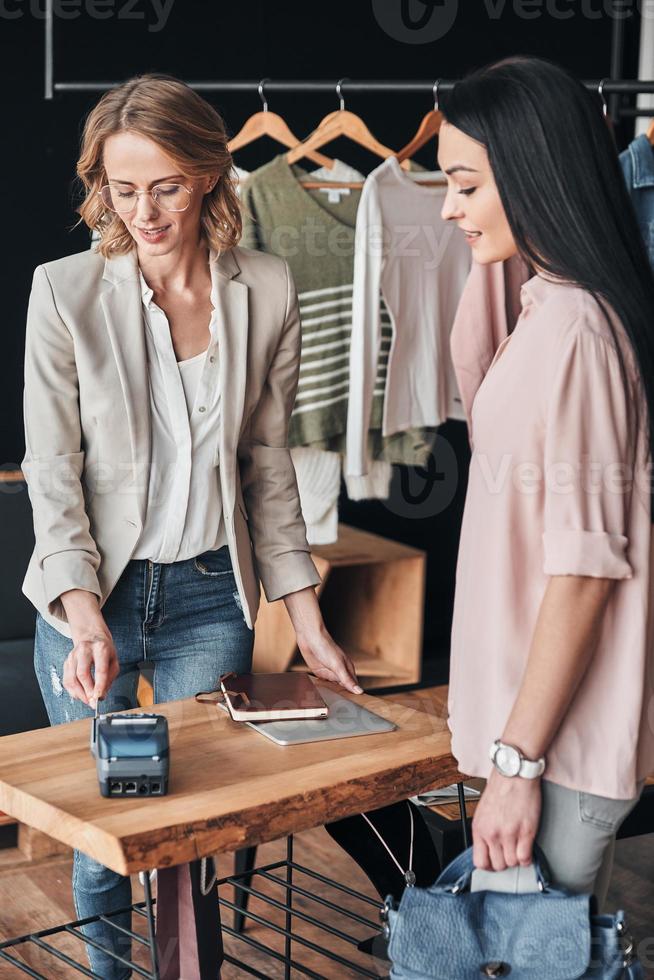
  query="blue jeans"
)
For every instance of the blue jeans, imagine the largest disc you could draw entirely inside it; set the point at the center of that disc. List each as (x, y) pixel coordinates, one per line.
(185, 619)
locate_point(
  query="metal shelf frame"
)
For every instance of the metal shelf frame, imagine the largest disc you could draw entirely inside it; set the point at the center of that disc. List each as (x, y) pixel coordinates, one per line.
(243, 881)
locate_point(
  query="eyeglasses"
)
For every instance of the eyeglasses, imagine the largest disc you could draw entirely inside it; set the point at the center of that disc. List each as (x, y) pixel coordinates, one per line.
(169, 197)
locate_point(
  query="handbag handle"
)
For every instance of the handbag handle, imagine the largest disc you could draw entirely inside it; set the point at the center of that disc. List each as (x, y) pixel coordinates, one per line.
(458, 874)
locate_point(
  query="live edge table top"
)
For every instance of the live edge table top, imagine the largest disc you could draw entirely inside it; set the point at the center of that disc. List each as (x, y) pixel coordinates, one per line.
(229, 786)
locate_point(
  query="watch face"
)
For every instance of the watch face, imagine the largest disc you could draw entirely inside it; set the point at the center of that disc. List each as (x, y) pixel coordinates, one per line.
(508, 761)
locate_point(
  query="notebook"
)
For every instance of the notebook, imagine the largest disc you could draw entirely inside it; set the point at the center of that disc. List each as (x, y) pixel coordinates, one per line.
(272, 697)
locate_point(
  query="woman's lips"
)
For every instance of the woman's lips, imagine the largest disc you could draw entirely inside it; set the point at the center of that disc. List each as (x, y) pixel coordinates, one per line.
(153, 236)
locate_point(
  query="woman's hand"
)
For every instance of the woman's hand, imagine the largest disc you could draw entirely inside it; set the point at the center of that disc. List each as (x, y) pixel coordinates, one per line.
(322, 655)
(506, 822)
(326, 660)
(93, 648)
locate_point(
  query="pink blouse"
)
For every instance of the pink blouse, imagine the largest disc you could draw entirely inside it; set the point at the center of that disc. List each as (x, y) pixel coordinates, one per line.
(555, 488)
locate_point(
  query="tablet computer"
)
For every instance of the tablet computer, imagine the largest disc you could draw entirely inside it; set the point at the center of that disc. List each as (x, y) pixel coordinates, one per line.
(346, 719)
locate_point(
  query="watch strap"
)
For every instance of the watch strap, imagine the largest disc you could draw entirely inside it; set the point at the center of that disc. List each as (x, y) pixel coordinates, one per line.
(531, 770)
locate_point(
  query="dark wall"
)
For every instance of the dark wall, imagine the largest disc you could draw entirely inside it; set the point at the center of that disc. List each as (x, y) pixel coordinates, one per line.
(113, 39)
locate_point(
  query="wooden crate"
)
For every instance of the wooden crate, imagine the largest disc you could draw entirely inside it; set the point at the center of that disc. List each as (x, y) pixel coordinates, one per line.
(372, 599)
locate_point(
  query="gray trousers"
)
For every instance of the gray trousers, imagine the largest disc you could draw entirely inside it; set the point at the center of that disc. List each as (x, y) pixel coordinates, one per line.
(577, 835)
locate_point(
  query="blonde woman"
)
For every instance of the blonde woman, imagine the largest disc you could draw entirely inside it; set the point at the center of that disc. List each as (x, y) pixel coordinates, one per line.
(160, 373)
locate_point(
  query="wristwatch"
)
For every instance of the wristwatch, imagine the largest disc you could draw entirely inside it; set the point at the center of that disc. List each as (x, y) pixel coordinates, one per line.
(509, 761)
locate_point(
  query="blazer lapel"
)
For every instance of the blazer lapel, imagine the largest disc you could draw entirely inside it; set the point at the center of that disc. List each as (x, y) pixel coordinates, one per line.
(231, 299)
(122, 306)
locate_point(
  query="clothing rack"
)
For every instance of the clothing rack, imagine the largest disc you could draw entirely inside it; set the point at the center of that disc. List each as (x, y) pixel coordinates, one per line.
(613, 87)
(610, 87)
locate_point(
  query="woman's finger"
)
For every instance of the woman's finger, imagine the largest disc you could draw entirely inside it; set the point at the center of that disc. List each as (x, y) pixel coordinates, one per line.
(524, 848)
(84, 658)
(496, 853)
(346, 680)
(338, 676)
(480, 856)
(351, 669)
(70, 681)
(103, 664)
(509, 847)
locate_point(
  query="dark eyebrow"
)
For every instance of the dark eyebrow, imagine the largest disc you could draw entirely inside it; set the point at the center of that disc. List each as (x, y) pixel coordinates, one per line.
(159, 180)
(459, 166)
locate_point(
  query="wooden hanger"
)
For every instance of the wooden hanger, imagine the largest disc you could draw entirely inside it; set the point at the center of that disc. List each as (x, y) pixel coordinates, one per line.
(429, 127)
(266, 123)
(650, 132)
(426, 130)
(315, 184)
(340, 123)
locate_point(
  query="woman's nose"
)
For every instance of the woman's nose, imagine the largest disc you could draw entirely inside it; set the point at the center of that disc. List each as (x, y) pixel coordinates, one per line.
(451, 206)
(146, 208)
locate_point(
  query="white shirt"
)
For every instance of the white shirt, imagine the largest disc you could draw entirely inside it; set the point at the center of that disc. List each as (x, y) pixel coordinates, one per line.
(406, 253)
(184, 515)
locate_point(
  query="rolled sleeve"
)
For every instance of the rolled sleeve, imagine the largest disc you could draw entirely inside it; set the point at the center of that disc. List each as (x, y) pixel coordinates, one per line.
(589, 468)
(596, 553)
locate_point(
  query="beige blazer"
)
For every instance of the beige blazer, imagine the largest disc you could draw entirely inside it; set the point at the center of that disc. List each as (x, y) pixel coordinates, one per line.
(87, 426)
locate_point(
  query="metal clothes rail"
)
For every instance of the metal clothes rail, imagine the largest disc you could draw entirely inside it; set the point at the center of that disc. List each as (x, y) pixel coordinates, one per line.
(613, 87)
(349, 86)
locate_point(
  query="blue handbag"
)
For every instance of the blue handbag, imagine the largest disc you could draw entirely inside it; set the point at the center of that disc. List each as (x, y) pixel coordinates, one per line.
(447, 932)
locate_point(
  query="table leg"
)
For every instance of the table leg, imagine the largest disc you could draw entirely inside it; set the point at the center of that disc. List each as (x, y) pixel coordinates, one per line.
(244, 861)
(147, 887)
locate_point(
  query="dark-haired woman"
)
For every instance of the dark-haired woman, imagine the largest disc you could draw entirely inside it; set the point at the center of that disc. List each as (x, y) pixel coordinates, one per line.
(551, 687)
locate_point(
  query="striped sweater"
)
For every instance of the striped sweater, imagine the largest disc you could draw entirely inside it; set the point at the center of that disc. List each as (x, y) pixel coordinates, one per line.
(316, 233)
(321, 405)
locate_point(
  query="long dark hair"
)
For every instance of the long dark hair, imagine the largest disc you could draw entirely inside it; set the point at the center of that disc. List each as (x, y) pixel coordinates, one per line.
(556, 168)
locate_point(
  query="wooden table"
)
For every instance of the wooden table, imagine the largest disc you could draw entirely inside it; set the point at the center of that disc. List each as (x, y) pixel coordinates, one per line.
(229, 786)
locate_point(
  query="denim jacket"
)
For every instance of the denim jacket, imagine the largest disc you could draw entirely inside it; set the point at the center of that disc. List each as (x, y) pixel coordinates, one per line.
(637, 163)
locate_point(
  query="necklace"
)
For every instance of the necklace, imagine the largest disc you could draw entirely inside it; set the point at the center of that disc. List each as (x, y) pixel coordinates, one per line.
(409, 875)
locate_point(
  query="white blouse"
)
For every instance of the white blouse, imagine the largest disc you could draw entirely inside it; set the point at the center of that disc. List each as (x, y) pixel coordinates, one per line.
(184, 515)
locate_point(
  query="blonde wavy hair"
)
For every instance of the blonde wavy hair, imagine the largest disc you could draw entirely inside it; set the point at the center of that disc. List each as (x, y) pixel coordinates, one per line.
(185, 127)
